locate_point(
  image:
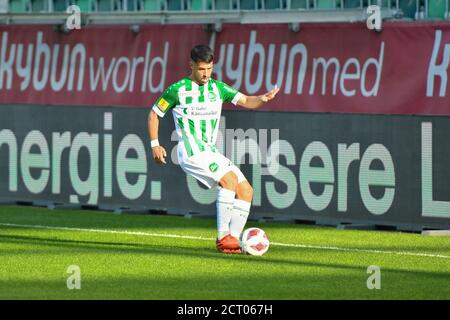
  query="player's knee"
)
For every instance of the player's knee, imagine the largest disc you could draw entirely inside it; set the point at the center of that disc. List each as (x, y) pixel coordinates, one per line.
(229, 181)
(245, 191)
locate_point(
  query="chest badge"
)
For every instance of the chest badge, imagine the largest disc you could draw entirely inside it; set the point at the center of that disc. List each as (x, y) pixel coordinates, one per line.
(212, 96)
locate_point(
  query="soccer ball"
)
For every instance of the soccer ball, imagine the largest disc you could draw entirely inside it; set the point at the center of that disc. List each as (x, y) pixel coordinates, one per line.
(254, 241)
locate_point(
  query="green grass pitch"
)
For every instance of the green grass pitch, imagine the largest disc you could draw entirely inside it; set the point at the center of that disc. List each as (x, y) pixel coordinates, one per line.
(168, 257)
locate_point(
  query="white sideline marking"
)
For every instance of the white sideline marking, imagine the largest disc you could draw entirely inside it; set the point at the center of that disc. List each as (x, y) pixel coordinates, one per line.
(162, 235)
(402, 253)
(136, 233)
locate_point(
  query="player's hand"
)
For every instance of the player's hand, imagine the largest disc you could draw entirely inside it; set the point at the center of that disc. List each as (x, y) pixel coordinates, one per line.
(159, 153)
(270, 95)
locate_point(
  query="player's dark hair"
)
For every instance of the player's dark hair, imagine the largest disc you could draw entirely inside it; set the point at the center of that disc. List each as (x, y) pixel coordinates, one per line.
(202, 53)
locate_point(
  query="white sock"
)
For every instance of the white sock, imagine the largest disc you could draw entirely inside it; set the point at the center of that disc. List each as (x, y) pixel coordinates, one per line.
(224, 205)
(239, 217)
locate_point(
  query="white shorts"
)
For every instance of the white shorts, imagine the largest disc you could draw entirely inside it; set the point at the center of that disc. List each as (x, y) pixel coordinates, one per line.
(209, 167)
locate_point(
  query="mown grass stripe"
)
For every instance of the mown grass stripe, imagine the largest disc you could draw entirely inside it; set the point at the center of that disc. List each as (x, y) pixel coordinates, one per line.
(162, 235)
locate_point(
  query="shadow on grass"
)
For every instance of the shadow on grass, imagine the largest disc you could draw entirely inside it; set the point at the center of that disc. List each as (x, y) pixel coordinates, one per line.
(100, 247)
(101, 220)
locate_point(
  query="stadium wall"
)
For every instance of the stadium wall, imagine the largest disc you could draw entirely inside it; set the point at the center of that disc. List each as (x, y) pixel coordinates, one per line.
(357, 134)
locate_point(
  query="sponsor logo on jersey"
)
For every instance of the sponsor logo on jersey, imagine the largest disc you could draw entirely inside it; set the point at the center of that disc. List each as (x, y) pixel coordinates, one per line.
(189, 94)
(213, 167)
(163, 104)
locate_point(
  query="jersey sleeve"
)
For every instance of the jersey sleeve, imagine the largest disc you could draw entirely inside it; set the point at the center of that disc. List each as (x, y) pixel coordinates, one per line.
(166, 101)
(228, 93)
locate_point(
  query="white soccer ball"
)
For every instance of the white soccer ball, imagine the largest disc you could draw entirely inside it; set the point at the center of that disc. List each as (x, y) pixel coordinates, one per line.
(254, 241)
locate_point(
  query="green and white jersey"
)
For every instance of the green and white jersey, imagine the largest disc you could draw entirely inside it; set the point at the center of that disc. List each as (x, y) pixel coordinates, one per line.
(196, 111)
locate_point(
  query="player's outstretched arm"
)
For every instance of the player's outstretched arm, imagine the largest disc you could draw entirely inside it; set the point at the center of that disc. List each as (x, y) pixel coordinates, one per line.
(159, 153)
(253, 102)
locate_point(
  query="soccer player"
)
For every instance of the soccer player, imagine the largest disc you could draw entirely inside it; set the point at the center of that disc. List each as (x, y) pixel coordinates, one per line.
(196, 104)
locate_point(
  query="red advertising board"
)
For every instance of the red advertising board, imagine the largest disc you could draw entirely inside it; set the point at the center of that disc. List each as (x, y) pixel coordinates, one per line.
(333, 67)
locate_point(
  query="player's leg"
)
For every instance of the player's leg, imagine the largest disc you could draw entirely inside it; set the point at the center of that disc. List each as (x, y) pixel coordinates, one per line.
(214, 170)
(238, 215)
(244, 191)
(225, 207)
(225, 203)
(242, 204)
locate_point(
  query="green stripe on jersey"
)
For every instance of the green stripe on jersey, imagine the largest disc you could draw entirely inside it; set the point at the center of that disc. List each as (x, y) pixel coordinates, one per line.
(187, 145)
(213, 124)
(201, 97)
(203, 128)
(188, 88)
(188, 85)
(194, 135)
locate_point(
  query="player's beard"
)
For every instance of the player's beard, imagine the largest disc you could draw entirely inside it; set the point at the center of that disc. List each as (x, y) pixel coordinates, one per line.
(204, 80)
(199, 79)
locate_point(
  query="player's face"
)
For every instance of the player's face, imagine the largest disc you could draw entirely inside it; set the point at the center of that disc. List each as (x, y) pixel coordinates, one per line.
(201, 72)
